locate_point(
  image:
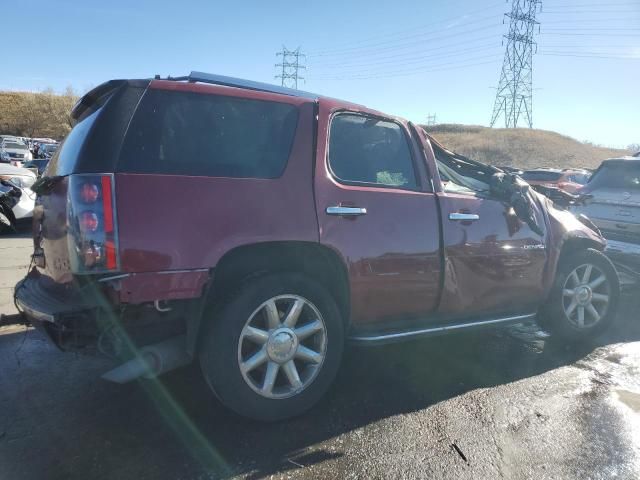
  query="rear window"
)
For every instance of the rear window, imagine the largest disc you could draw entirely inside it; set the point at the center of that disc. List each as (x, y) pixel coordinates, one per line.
(617, 175)
(185, 133)
(64, 160)
(541, 176)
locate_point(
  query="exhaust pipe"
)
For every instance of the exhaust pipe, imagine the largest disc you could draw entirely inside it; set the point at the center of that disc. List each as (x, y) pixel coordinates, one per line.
(153, 360)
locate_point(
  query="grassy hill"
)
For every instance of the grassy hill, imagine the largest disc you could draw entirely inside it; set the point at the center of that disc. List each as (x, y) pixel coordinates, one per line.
(521, 147)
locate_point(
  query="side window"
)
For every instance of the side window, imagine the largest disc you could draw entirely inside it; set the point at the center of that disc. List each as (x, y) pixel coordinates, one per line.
(369, 150)
(185, 133)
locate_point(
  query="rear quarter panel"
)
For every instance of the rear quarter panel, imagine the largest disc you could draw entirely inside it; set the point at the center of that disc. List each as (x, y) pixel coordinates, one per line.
(173, 222)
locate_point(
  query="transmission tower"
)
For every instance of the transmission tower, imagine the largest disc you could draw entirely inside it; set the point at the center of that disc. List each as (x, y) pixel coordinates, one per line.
(514, 95)
(431, 119)
(290, 66)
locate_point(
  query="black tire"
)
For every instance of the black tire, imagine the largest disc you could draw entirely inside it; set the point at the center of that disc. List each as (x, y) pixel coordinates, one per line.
(5, 224)
(553, 316)
(219, 346)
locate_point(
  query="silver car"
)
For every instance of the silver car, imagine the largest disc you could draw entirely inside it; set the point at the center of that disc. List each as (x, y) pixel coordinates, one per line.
(614, 207)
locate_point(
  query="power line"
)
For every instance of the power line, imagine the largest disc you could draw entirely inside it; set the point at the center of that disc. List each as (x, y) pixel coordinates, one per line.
(418, 59)
(402, 33)
(592, 34)
(589, 55)
(383, 46)
(290, 66)
(514, 96)
(408, 54)
(411, 72)
(427, 66)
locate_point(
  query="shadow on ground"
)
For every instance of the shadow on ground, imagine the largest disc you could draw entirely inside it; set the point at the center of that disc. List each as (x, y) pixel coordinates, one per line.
(57, 413)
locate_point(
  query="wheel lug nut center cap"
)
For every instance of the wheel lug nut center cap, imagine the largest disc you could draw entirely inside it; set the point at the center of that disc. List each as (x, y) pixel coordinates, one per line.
(282, 345)
(583, 295)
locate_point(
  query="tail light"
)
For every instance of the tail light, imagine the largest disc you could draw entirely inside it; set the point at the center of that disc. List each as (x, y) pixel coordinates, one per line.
(93, 236)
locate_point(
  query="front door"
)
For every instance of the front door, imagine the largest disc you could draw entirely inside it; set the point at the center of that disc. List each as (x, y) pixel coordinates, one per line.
(375, 209)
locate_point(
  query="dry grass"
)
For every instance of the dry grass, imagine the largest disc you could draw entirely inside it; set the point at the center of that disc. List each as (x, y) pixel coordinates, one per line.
(521, 147)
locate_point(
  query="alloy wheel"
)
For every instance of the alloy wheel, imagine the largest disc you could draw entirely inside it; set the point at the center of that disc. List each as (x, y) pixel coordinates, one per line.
(585, 296)
(282, 346)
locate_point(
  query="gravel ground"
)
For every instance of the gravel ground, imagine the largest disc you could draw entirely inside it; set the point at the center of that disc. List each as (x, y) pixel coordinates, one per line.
(509, 403)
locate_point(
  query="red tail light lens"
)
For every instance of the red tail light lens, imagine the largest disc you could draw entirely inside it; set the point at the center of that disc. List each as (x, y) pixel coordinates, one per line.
(93, 239)
(89, 192)
(88, 222)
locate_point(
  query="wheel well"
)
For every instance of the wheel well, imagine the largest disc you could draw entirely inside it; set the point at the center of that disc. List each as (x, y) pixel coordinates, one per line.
(314, 260)
(573, 244)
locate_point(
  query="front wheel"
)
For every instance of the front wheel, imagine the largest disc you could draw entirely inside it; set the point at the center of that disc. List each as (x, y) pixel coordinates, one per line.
(584, 298)
(272, 350)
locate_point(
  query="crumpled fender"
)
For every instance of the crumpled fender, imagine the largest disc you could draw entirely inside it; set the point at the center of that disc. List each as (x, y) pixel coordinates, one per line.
(565, 231)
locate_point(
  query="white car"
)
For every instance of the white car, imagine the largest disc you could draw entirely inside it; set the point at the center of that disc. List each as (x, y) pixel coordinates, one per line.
(24, 179)
(14, 152)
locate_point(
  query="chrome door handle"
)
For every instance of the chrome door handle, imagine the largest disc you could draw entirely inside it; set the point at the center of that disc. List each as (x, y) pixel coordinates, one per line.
(465, 217)
(346, 211)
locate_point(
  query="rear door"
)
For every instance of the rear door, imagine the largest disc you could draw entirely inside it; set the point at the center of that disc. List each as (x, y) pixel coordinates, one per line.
(376, 209)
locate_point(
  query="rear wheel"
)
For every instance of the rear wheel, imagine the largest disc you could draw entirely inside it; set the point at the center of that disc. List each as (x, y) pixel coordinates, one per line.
(272, 350)
(584, 298)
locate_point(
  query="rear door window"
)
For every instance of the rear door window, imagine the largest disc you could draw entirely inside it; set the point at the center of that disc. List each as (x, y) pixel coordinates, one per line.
(367, 150)
(185, 133)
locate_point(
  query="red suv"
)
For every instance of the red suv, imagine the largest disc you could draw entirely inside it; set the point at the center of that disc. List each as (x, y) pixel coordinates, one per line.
(257, 229)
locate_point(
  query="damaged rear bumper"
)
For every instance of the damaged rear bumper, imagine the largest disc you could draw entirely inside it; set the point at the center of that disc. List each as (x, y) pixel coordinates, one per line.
(61, 312)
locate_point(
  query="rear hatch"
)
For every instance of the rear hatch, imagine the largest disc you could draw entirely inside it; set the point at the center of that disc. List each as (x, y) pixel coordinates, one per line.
(74, 227)
(615, 203)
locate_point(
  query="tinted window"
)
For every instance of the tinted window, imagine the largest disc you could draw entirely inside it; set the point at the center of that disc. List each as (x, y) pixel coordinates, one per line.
(64, 160)
(580, 178)
(617, 175)
(368, 150)
(210, 135)
(541, 176)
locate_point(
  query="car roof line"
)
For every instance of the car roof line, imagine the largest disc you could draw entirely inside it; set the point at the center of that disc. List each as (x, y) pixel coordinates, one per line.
(214, 79)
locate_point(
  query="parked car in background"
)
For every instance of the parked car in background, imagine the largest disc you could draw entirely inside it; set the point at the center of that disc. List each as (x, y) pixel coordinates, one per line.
(302, 222)
(614, 206)
(14, 152)
(37, 165)
(23, 179)
(46, 150)
(569, 180)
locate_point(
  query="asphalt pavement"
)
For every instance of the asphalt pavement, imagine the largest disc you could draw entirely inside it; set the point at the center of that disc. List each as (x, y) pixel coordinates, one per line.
(510, 403)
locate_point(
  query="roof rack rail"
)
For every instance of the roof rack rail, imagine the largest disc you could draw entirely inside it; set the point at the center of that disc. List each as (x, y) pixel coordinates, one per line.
(213, 79)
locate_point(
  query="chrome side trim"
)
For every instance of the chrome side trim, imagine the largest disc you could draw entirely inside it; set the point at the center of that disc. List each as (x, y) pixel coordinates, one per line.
(114, 277)
(434, 330)
(162, 272)
(188, 270)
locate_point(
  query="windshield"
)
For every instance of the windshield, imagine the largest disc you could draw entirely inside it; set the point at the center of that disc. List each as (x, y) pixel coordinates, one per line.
(617, 175)
(16, 146)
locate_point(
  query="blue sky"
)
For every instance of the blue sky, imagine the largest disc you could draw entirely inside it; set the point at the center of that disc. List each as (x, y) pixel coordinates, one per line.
(409, 58)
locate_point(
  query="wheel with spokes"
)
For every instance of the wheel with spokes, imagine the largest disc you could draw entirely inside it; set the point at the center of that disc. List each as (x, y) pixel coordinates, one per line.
(273, 349)
(584, 298)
